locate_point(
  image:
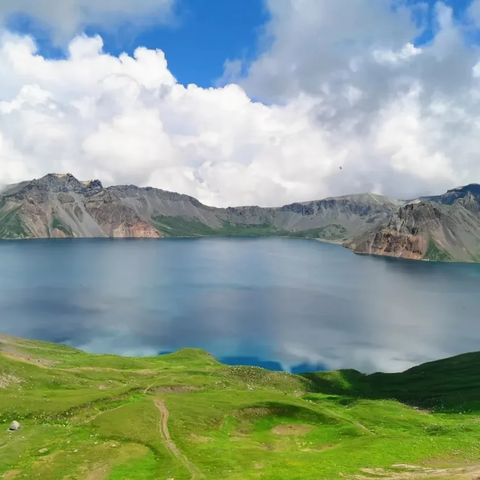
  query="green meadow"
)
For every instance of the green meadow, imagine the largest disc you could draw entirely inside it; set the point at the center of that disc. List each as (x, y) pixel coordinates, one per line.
(186, 416)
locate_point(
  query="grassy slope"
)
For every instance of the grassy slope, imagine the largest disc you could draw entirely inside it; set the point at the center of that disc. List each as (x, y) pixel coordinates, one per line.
(436, 254)
(97, 418)
(12, 226)
(448, 386)
(185, 227)
(333, 232)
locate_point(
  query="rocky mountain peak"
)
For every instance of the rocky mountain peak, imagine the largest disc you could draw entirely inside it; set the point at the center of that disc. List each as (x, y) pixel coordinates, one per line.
(451, 196)
(53, 183)
(470, 202)
(58, 182)
(473, 188)
(91, 187)
(66, 182)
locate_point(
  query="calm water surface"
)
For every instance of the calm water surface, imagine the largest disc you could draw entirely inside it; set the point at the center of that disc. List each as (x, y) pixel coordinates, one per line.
(279, 303)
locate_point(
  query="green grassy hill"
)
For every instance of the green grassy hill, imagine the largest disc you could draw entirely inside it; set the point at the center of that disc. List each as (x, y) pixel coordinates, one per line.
(185, 416)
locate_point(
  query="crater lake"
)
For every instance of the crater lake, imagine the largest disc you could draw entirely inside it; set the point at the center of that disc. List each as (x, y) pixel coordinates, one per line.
(296, 305)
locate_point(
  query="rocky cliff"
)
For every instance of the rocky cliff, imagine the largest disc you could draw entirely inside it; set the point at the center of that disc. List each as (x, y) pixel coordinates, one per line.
(444, 227)
(441, 228)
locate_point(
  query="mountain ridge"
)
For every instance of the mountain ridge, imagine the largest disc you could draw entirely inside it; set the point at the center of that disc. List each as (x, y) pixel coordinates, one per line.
(436, 228)
(37, 209)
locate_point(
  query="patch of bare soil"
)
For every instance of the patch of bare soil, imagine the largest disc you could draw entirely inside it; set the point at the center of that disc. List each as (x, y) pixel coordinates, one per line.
(175, 389)
(295, 429)
(299, 393)
(11, 474)
(145, 371)
(20, 356)
(8, 380)
(414, 472)
(96, 472)
(254, 411)
(46, 459)
(320, 448)
(200, 439)
(406, 466)
(11, 348)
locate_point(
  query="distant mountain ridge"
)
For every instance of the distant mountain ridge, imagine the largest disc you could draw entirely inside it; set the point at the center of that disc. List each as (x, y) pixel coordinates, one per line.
(438, 228)
(61, 206)
(443, 228)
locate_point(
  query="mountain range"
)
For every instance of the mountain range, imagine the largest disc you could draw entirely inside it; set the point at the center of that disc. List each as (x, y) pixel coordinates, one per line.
(437, 228)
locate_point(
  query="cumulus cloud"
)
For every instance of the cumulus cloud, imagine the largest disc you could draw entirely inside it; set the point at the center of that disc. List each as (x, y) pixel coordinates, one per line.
(68, 17)
(337, 84)
(405, 115)
(127, 120)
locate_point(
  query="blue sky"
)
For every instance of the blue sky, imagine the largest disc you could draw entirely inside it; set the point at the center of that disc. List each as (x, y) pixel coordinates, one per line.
(203, 36)
(459, 8)
(196, 44)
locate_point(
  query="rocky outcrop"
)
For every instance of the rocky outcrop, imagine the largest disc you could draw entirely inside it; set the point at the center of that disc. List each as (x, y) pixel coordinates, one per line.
(451, 196)
(443, 229)
(138, 230)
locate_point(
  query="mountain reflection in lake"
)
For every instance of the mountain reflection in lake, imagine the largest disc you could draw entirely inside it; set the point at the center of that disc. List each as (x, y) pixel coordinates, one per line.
(286, 304)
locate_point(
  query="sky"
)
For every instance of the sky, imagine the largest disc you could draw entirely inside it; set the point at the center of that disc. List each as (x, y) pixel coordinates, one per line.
(238, 102)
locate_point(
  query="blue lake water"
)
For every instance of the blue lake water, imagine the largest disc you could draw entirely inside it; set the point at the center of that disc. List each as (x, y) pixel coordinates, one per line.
(280, 303)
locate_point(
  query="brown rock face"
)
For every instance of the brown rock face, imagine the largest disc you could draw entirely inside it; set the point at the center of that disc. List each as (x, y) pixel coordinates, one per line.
(392, 244)
(119, 221)
(139, 230)
(35, 218)
(56, 233)
(427, 230)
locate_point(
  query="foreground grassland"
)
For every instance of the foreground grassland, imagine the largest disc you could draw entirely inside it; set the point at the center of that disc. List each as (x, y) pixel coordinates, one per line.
(185, 416)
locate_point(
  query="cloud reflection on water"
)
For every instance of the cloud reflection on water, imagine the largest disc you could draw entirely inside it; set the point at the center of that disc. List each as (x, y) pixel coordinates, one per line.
(290, 304)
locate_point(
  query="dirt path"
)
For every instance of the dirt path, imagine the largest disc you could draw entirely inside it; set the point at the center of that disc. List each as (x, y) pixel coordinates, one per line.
(96, 415)
(170, 444)
(148, 388)
(412, 472)
(363, 427)
(6, 443)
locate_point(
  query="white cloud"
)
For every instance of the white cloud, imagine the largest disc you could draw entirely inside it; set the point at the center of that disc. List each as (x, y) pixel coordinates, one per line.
(127, 120)
(396, 58)
(66, 18)
(311, 42)
(342, 82)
